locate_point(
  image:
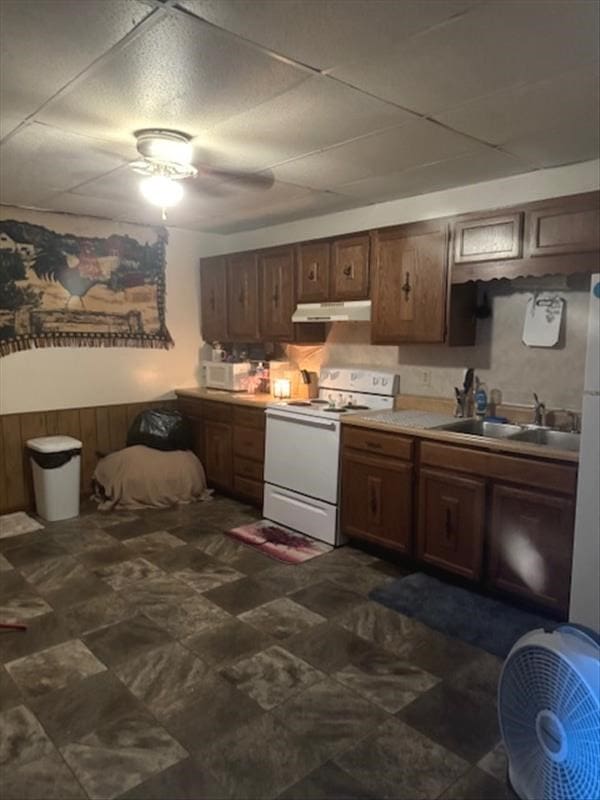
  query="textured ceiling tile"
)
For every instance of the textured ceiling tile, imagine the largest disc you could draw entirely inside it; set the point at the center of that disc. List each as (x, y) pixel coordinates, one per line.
(390, 151)
(565, 144)
(523, 110)
(40, 160)
(317, 114)
(179, 74)
(323, 33)
(44, 45)
(472, 168)
(498, 44)
(102, 207)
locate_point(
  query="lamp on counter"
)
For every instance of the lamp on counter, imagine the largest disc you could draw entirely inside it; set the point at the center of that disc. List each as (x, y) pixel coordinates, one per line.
(282, 388)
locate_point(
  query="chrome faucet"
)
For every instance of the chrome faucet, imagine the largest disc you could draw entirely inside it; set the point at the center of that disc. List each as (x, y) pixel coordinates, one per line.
(539, 412)
(575, 420)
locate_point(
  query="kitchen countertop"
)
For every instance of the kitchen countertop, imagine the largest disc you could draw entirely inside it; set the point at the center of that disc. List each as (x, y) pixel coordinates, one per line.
(409, 423)
(231, 398)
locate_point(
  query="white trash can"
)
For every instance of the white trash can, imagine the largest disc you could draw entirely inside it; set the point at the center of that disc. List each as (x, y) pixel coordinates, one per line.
(55, 461)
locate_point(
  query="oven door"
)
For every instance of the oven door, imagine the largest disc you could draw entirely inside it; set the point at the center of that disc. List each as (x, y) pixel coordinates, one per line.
(302, 454)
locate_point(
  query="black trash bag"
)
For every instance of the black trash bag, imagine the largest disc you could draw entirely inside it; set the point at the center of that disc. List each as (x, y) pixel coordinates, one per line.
(53, 460)
(160, 429)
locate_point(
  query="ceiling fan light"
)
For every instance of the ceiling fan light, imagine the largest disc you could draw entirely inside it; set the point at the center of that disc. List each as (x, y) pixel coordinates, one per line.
(161, 191)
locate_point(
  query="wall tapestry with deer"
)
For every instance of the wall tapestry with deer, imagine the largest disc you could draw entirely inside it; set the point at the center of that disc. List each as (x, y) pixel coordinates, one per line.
(60, 289)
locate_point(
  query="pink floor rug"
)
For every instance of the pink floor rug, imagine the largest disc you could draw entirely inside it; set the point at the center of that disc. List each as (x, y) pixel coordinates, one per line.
(278, 542)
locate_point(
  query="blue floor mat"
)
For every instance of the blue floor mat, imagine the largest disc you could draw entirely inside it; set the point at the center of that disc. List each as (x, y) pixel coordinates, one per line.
(481, 621)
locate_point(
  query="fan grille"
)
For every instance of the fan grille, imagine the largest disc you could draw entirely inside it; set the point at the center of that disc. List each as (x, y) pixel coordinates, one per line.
(551, 726)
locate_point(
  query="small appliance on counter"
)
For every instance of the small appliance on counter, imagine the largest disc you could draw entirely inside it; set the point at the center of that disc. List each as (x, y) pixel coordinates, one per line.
(229, 377)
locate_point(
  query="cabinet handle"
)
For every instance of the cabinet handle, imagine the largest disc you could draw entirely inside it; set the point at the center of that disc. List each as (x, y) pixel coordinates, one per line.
(373, 502)
(406, 287)
(211, 302)
(276, 296)
(374, 445)
(448, 526)
(241, 297)
(313, 271)
(348, 271)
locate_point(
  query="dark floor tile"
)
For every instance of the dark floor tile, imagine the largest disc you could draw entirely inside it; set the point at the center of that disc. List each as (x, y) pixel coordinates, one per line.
(86, 540)
(192, 533)
(495, 763)
(465, 724)
(128, 639)
(271, 676)
(5, 565)
(209, 577)
(83, 706)
(107, 519)
(327, 599)
(53, 668)
(97, 613)
(441, 655)
(383, 627)
(165, 680)
(186, 780)
(281, 618)
(38, 549)
(286, 578)
(9, 542)
(137, 527)
(390, 568)
(63, 581)
(178, 558)
(186, 614)
(42, 632)
(350, 574)
(397, 762)
(123, 573)
(151, 544)
(476, 785)
(251, 562)
(47, 777)
(226, 642)
(23, 738)
(11, 584)
(327, 782)
(143, 747)
(10, 695)
(102, 556)
(479, 677)
(329, 716)
(328, 647)
(218, 710)
(240, 595)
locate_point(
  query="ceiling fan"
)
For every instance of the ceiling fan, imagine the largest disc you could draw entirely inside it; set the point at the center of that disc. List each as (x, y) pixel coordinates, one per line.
(166, 161)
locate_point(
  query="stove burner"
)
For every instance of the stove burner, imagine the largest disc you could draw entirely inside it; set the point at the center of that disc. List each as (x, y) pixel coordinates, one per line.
(318, 402)
(298, 403)
(336, 410)
(355, 407)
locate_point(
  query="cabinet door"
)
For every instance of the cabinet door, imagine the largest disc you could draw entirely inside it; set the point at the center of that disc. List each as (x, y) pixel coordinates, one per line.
(313, 272)
(218, 455)
(573, 226)
(451, 521)
(213, 299)
(409, 284)
(488, 239)
(532, 545)
(350, 268)
(377, 500)
(277, 294)
(242, 293)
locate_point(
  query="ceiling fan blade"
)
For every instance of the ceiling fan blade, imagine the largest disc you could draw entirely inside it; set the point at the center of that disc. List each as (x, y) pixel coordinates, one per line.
(251, 180)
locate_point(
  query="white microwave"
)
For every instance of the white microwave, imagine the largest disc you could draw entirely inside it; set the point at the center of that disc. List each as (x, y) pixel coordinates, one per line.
(229, 377)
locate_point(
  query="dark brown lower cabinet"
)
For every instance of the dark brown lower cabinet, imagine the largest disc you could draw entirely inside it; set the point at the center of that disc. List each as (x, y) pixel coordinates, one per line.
(451, 521)
(218, 460)
(531, 545)
(377, 499)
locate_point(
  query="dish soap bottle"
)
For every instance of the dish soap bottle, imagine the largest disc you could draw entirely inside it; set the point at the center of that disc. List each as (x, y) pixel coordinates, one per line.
(481, 399)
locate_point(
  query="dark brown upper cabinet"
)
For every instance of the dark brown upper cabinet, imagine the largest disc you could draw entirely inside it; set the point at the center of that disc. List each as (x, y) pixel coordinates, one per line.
(409, 283)
(571, 226)
(242, 297)
(488, 239)
(277, 302)
(350, 268)
(213, 299)
(313, 272)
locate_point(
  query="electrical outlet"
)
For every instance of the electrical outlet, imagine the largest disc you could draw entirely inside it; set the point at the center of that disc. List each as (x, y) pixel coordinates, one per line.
(426, 377)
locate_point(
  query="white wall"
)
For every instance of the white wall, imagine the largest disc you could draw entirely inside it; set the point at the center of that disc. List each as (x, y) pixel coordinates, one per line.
(67, 377)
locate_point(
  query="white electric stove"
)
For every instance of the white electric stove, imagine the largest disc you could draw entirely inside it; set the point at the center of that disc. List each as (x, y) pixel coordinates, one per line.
(302, 449)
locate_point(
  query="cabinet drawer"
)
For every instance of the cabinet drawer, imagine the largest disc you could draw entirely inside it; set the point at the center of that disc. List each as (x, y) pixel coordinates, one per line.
(218, 412)
(189, 407)
(249, 417)
(385, 444)
(249, 443)
(461, 459)
(245, 468)
(251, 489)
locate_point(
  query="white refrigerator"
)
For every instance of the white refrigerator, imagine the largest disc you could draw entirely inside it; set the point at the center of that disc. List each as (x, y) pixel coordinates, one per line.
(585, 577)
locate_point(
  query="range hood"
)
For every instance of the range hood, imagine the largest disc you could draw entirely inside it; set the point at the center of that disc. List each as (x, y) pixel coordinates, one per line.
(350, 311)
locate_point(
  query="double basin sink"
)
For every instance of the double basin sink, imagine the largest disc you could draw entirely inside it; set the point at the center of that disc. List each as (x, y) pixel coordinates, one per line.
(532, 434)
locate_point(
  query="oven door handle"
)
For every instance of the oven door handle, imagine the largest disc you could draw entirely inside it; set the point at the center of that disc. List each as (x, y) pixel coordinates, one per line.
(311, 423)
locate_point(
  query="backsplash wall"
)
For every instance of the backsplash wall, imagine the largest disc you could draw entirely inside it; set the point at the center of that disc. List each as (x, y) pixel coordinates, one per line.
(500, 358)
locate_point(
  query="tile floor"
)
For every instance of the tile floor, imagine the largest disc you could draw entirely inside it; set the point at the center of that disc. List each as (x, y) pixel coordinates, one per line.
(165, 660)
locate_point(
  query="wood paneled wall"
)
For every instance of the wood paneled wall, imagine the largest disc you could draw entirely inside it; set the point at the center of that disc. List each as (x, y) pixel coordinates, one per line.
(102, 429)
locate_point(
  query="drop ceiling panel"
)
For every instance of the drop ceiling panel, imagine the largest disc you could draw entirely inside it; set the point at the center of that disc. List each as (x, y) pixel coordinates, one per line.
(122, 210)
(180, 74)
(43, 45)
(523, 110)
(39, 161)
(564, 144)
(324, 33)
(496, 45)
(317, 114)
(472, 168)
(389, 151)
